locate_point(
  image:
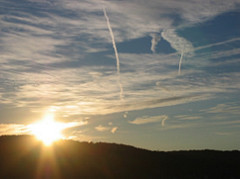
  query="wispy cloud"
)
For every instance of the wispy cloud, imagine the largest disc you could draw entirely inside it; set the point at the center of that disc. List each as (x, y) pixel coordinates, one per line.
(180, 126)
(125, 115)
(33, 74)
(163, 120)
(75, 124)
(20, 129)
(228, 124)
(155, 39)
(50, 58)
(102, 128)
(114, 129)
(180, 44)
(13, 129)
(187, 117)
(177, 42)
(150, 119)
(229, 108)
(224, 133)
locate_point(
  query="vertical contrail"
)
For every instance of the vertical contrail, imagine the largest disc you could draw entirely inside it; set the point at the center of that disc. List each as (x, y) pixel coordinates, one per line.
(180, 62)
(115, 50)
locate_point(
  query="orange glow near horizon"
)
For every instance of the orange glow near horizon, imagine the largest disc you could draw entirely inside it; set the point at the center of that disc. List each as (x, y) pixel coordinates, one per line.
(47, 130)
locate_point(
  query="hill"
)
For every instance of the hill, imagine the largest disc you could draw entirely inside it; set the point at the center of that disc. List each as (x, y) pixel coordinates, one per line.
(24, 157)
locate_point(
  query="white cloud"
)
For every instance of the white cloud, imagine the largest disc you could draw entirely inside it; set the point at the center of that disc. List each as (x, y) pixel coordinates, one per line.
(224, 108)
(163, 120)
(151, 119)
(180, 126)
(224, 133)
(155, 39)
(63, 94)
(135, 18)
(101, 128)
(125, 115)
(181, 45)
(177, 42)
(226, 123)
(75, 124)
(13, 129)
(114, 129)
(89, 94)
(187, 117)
(41, 61)
(20, 129)
(31, 82)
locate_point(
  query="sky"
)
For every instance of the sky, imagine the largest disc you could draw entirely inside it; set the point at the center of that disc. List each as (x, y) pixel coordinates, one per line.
(155, 74)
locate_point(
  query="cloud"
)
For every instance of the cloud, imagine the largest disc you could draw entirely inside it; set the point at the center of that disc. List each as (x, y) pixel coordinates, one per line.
(100, 99)
(187, 117)
(163, 120)
(13, 129)
(75, 124)
(125, 115)
(20, 129)
(229, 108)
(36, 76)
(23, 41)
(128, 16)
(155, 39)
(89, 94)
(180, 126)
(114, 129)
(180, 44)
(151, 119)
(51, 58)
(101, 128)
(224, 133)
(230, 124)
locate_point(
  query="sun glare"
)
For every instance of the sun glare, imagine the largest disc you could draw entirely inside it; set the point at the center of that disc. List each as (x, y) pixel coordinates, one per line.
(47, 130)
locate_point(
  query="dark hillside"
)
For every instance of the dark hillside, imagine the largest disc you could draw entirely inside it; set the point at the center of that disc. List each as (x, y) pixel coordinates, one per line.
(24, 157)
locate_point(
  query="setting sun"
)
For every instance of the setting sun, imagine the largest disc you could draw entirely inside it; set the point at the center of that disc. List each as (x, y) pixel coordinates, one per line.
(47, 130)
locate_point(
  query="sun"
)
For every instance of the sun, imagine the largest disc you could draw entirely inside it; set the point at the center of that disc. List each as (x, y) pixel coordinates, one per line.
(47, 130)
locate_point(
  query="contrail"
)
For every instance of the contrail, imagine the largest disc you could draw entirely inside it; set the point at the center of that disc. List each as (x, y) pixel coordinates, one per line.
(115, 50)
(180, 62)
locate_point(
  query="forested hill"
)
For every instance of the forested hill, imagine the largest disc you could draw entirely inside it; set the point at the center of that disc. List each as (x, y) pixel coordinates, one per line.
(24, 157)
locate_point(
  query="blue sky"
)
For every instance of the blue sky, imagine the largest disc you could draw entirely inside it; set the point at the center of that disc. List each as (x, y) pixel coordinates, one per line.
(161, 75)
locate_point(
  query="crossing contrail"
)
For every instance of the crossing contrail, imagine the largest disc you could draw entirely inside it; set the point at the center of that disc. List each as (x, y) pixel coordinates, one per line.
(180, 62)
(115, 50)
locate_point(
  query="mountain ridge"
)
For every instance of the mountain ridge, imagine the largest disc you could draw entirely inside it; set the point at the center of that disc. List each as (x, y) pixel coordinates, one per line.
(25, 157)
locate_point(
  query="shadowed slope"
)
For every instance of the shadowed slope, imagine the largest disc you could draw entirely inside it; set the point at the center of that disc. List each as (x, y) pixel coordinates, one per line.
(23, 157)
